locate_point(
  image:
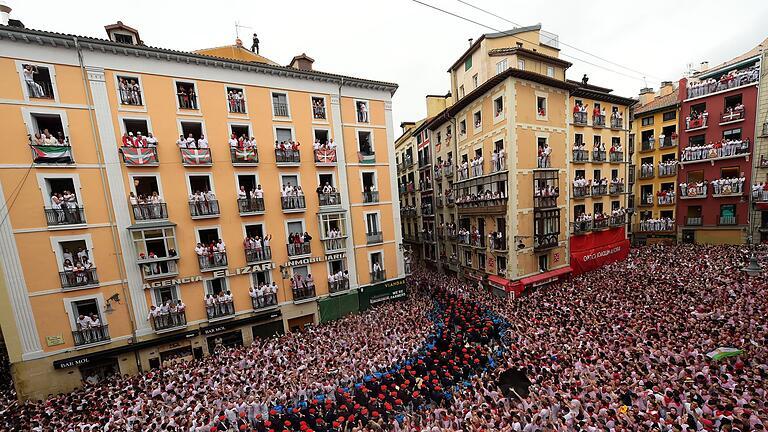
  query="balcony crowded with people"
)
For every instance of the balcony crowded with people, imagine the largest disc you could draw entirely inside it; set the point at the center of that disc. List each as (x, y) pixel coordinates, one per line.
(725, 148)
(730, 80)
(211, 255)
(657, 224)
(257, 248)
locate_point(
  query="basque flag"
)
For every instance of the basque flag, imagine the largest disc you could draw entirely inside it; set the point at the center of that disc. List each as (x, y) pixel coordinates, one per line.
(245, 154)
(139, 155)
(326, 155)
(196, 156)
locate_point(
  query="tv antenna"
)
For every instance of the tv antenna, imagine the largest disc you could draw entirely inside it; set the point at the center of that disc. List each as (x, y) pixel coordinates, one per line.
(238, 27)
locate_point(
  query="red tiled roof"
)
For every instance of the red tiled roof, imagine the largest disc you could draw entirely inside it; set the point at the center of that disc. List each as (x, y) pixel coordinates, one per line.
(659, 103)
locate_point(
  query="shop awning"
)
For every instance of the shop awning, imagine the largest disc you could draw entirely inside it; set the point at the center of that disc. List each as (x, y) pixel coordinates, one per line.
(498, 281)
(762, 205)
(545, 278)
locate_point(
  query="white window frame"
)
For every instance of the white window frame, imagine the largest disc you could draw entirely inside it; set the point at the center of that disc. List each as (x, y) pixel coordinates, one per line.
(326, 129)
(263, 224)
(179, 121)
(51, 72)
(176, 97)
(69, 310)
(550, 71)
(378, 220)
(274, 133)
(502, 115)
(59, 253)
(158, 180)
(272, 92)
(208, 279)
(236, 123)
(46, 193)
(357, 138)
(245, 101)
(130, 108)
(327, 110)
(538, 95)
(298, 182)
(476, 129)
(27, 114)
(208, 227)
(122, 119)
(175, 287)
(188, 175)
(340, 217)
(521, 64)
(476, 80)
(288, 232)
(368, 110)
(237, 175)
(501, 66)
(333, 179)
(375, 180)
(463, 134)
(370, 260)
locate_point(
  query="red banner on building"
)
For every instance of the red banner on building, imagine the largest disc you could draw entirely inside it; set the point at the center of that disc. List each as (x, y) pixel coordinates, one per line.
(595, 250)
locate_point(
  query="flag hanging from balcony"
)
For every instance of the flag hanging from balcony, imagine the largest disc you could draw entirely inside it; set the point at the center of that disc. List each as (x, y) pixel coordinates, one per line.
(366, 158)
(196, 156)
(139, 155)
(326, 155)
(52, 154)
(245, 155)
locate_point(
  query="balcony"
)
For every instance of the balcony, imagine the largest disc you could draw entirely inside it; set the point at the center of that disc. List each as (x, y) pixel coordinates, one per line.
(214, 261)
(338, 286)
(335, 244)
(697, 123)
(763, 162)
(149, 212)
(648, 145)
(600, 223)
(139, 156)
(217, 311)
(257, 255)
(329, 199)
(302, 293)
(617, 123)
(646, 200)
(598, 156)
(666, 199)
(723, 188)
(581, 227)
(545, 202)
(74, 279)
(450, 201)
(656, 226)
(408, 212)
(192, 157)
(647, 172)
(264, 301)
(293, 204)
(366, 157)
(424, 161)
(598, 121)
(617, 157)
(248, 206)
(541, 162)
(248, 156)
(325, 157)
(693, 191)
(668, 142)
(91, 335)
(448, 169)
(667, 170)
(742, 78)
(617, 220)
(727, 220)
(158, 268)
(438, 173)
(55, 154)
(204, 209)
(580, 191)
(169, 321)
(370, 197)
(729, 150)
(374, 237)
(580, 118)
(580, 156)
(378, 276)
(428, 236)
(693, 221)
(598, 190)
(439, 202)
(499, 244)
(616, 188)
(318, 112)
(545, 241)
(65, 216)
(287, 157)
(298, 249)
(280, 109)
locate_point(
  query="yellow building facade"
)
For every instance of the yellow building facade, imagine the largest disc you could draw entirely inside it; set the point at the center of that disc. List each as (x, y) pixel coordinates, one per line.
(102, 261)
(654, 139)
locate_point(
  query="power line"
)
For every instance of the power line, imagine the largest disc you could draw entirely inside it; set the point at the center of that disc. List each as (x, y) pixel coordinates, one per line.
(561, 42)
(524, 40)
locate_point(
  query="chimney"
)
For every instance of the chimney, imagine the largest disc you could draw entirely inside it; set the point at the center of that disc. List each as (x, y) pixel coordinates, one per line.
(470, 41)
(5, 13)
(646, 95)
(704, 66)
(666, 88)
(406, 126)
(302, 62)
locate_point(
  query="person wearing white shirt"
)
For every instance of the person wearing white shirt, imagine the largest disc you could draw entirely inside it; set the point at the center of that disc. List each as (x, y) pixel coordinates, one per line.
(190, 141)
(241, 193)
(151, 140)
(233, 141)
(181, 142)
(202, 143)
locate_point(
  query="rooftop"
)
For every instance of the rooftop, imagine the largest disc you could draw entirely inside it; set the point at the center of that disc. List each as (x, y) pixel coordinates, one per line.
(659, 102)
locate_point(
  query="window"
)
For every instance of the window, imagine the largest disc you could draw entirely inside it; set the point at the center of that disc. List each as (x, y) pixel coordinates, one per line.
(63, 206)
(732, 134)
(521, 64)
(137, 127)
(370, 194)
(377, 266)
(698, 140)
(364, 144)
(191, 129)
(236, 100)
(468, 63)
(699, 108)
(478, 120)
(732, 101)
(547, 222)
(729, 172)
(186, 96)
(501, 66)
(280, 105)
(48, 130)
(461, 91)
(372, 223)
(646, 121)
(199, 183)
(597, 208)
(318, 108)
(240, 130)
(543, 263)
(501, 264)
(334, 223)
(89, 325)
(156, 251)
(463, 127)
(123, 38)
(475, 81)
(550, 71)
(38, 81)
(541, 106)
(361, 107)
(498, 106)
(283, 135)
(728, 214)
(129, 90)
(667, 116)
(439, 137)
(166, 294)
(480, 261)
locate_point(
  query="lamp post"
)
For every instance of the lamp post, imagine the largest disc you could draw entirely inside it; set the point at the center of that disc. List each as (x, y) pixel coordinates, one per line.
(753, 268)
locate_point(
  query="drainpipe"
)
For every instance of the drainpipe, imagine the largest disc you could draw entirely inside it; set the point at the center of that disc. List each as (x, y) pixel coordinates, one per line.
(110, 210)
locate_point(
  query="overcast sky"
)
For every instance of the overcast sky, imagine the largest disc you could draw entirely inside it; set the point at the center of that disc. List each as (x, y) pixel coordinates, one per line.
(407, 43)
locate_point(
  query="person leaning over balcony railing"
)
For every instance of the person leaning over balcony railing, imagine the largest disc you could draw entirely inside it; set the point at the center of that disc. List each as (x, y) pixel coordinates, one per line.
(665, 196)
(667, 167)
(544, 153)
(695, 115)
(546, 191)
(760, 191)
(726, 186)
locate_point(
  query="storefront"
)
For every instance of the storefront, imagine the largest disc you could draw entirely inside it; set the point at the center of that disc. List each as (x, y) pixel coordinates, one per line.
(229, 334)
(517, 288)
(266, 330)
(301, 323)
(594, 250)
(499, 286)
(222, 341)
(337, 306)
(378, 293)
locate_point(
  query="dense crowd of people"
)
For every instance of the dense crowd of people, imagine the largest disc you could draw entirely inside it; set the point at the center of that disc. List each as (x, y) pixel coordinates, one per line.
(633, 346)
(719, 149)
(732, 79)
